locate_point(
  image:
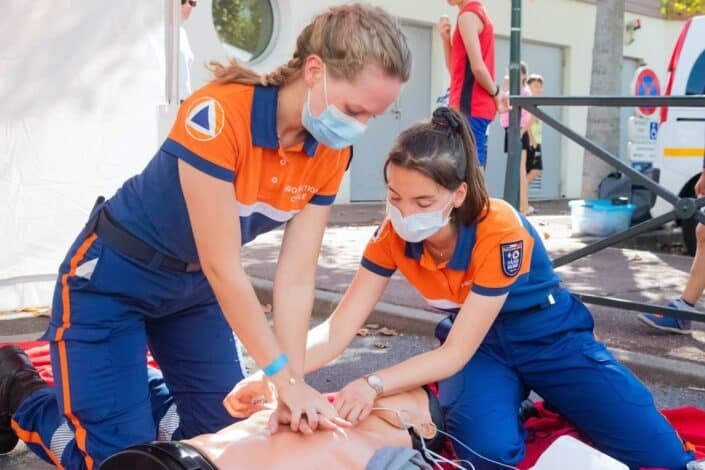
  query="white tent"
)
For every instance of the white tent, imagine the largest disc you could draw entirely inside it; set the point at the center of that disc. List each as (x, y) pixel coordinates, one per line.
(80, 86)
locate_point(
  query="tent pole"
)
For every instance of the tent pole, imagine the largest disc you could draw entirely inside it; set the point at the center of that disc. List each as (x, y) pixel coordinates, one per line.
(172, 16)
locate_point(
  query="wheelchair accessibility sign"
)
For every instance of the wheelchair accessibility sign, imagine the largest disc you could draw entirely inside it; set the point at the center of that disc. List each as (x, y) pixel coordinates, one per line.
(653, 130)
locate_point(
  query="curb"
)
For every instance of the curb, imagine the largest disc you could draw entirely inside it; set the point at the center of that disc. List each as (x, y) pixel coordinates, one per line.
(673, 371)
(409, 319)
(422, 322)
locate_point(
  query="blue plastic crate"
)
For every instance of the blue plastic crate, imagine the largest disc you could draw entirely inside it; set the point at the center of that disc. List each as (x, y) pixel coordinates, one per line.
(599, 217)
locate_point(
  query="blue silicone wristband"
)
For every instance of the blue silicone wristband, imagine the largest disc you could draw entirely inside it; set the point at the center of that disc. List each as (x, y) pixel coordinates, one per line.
(276, 365)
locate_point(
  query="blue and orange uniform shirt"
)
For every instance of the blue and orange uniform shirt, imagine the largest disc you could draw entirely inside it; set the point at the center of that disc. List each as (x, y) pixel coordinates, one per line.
(229, 132)
(500, 254)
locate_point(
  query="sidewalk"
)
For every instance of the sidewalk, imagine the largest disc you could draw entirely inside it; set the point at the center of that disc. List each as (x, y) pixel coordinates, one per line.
(617, 272)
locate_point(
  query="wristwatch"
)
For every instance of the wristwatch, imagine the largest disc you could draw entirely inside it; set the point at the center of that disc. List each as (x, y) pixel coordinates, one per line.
(375, 382)
(497, 91)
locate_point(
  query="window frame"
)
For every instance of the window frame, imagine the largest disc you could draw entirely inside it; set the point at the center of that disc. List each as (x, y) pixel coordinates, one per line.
(271, 43)
(698, 64)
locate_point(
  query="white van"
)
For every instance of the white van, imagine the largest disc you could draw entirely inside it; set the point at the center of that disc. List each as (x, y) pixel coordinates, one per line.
(680, 143)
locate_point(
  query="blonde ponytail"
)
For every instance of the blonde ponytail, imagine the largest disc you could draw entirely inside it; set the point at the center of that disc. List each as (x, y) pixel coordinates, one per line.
(346, 37)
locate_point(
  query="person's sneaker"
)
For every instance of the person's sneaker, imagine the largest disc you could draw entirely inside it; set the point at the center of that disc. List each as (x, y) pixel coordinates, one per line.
(527, 410)
(696, 465)
(669, 324)
(18, 379)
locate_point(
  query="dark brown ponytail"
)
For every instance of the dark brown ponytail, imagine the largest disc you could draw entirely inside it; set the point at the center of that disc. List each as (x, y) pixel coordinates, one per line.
(444, 150)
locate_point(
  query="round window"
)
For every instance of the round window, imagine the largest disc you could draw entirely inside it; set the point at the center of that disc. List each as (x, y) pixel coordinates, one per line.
(245, 27)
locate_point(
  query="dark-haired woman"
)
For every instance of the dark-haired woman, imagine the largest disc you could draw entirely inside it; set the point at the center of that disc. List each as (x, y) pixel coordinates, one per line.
(511, 327)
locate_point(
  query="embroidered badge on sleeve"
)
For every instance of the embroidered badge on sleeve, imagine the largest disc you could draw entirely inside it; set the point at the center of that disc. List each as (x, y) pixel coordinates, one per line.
(205, 119)
(512, 255)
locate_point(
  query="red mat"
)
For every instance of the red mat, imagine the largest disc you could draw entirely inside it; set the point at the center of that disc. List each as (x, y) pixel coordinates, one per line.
(688, 421)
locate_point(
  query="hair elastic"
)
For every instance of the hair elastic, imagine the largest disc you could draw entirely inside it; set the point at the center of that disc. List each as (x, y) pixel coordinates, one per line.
(443, 117)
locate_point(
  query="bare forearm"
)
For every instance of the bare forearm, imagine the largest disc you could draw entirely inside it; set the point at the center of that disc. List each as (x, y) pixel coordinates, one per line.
(292, 305)
(446, 54)
(423, 369)
(322, 346)
(329, 339)
(243, 313)
(483, 77)
(469, 329)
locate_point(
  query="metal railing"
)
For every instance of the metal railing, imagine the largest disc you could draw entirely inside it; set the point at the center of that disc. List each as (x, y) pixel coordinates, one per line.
(683, 207)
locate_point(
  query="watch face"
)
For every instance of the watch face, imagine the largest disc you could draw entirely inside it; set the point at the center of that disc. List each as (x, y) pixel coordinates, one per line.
(375, 382)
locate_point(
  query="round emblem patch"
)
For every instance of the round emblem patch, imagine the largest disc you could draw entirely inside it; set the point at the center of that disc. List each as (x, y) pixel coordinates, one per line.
(205, 119)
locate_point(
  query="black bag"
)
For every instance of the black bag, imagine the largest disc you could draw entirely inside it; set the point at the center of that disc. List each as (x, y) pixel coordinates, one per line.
(617, 185)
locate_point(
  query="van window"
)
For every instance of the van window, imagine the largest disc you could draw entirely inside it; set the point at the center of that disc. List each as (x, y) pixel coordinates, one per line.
(696, 80)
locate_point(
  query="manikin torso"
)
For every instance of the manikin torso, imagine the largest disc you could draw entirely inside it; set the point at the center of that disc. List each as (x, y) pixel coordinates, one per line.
(246, 444)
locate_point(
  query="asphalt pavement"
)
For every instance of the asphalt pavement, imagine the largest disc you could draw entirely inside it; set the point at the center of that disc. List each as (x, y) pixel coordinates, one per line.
(652, 273)
(376, 351)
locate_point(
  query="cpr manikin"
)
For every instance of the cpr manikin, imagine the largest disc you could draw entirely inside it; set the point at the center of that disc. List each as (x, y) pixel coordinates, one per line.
(247, 445)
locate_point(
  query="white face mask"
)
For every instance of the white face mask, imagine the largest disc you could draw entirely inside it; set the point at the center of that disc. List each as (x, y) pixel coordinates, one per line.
(417, 227)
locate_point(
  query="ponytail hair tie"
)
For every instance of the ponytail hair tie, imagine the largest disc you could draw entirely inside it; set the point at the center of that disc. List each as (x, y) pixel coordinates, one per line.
(444, 118)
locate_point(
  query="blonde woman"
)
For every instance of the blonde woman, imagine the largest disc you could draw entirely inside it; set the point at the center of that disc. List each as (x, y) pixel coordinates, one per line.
(159, 263)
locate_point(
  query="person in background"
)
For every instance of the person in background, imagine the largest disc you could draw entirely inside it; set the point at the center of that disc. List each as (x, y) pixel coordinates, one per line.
(694, 287)
(525, 122)
(469, 57)
(534, 161)
(185, 53)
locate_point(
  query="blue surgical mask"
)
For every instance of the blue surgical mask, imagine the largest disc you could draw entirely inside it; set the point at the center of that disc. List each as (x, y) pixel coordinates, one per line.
(418, 227)
(333, 128)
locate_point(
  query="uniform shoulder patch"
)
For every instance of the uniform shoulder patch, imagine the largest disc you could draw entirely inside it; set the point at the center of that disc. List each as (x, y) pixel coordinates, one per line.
(512, 256)
(205, 119)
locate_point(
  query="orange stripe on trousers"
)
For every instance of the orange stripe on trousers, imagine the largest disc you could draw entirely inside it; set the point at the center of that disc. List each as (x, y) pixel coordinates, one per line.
(66, 323)
(35, 438)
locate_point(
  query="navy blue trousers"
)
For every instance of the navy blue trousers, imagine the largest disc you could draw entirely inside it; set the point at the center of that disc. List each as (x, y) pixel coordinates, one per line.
(107, 310)
(553, 352)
